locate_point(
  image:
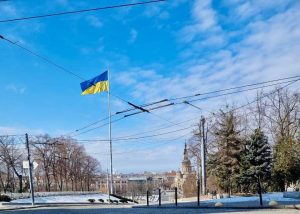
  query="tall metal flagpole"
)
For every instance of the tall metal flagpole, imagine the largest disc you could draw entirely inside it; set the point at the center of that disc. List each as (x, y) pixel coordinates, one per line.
(110, 141)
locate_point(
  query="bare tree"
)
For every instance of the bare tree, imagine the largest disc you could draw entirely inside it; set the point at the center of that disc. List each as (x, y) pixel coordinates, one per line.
(11, 158)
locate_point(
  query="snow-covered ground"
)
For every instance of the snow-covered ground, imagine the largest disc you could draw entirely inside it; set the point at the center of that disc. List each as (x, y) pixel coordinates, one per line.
(66, 199)
(277, 196)
(83, 198)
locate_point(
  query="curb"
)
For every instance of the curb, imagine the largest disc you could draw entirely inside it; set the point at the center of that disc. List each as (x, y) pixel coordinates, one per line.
(41, 205)
(297, 207)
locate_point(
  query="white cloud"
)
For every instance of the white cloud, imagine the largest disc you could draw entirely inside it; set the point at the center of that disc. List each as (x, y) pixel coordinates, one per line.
(204, 14)
(133, 35)
(16, 89)
(94, 21)
(257, 8)
(11, 130)
(204, 22)
(7, 10)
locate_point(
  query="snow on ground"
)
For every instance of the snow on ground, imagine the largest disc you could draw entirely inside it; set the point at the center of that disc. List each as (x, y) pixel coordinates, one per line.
(277, 196)
(66, 199)
(83, 198)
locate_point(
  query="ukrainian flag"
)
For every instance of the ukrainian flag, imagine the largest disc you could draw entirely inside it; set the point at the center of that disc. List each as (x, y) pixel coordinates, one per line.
(95, 85)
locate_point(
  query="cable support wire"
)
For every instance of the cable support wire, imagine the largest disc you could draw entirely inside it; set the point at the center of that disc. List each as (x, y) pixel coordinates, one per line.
(210, 97)
(206, 98)
(135, 141)
(138, 141)
(80, 11)
(153, 130)
(12, 135)
(141, 137)
(66, 70)
(97, 127)
(157, 146)
(240, 91)
(158, 129)
(161, 101)
(242, 106)
(210, 92)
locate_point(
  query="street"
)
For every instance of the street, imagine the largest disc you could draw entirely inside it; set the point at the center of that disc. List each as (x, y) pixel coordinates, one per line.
(102, 209)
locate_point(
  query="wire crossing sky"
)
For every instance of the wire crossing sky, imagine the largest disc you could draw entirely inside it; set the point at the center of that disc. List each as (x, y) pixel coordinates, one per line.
(179, 59)
(81, 11)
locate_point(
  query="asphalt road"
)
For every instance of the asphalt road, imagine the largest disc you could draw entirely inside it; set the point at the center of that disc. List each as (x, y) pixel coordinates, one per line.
(97, 210)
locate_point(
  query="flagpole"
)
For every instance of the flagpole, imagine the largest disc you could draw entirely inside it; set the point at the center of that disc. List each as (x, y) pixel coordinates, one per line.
(110, 141)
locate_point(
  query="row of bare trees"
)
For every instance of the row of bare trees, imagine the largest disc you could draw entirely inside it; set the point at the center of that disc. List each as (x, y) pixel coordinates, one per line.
(62, 165)
(235, 135)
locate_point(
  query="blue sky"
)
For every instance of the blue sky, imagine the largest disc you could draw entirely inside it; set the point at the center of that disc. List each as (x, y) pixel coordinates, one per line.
(163, 50)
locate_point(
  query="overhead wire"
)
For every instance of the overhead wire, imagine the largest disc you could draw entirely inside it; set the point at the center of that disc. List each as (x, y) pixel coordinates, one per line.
(210, 97)
(161, 143)
(157, 102)
(66, 70)
(217, 91)
(242, 106)
(80, 11)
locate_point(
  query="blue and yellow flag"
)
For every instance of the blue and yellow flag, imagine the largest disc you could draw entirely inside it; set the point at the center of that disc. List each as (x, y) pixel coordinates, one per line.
(95, 85)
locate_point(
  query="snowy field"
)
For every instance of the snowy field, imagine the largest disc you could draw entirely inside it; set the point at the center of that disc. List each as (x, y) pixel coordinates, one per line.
(83, 198)
(277, 196)
(66, 198)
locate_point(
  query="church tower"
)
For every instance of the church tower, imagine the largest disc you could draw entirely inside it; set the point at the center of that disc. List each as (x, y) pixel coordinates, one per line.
(186, 167)
(186, 178)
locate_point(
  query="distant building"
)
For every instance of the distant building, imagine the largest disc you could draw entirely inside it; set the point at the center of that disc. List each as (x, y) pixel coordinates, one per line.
(185, 179)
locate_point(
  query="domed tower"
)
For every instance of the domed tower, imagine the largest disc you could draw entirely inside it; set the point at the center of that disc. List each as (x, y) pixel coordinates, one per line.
(186, 167)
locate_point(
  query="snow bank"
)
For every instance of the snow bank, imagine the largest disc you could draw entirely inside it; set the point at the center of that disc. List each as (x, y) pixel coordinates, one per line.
(66, 198)
(277, 196)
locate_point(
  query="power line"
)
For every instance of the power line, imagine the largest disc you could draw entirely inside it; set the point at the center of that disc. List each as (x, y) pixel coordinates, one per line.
(98, 127)
(147, 136)
(75, 75)
(66, 70)
(219, 95)
(81, 11)
(156, 146)
(154, 130)
(205, 98)
(12, 135)
(43, 58)
(161, 101)
(267, 94)
(216, 91)
(89, 125)
(235, 92)
(242, 106)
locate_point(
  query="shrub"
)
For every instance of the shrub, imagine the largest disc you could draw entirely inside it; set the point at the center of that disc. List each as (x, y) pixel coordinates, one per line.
(91, 200)
(109, 200)
(115, 201)
(101, 200)
(5, 198)
(127, 199)
(123, 201)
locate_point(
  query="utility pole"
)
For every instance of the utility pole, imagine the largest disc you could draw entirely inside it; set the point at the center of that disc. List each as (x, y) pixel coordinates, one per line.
(203, 156)
(30, 170)
(108, 187)
(110, 141)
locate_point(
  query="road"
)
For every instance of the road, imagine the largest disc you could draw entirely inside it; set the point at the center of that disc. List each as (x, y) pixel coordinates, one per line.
(107, 210)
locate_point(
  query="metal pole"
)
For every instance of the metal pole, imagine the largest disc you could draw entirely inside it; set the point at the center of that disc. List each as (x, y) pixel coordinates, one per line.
(108, 190)
(176, 196)
(30, 170)
(110, 141)
(203, 157)
(259, 191)
(198, 192)
(159, 197)
(147, 198)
